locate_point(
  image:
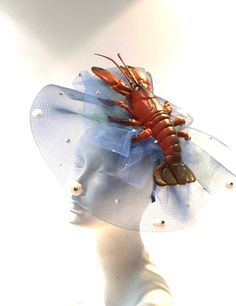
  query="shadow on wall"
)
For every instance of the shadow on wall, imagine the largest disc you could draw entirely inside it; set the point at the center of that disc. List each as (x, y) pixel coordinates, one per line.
(63, 25)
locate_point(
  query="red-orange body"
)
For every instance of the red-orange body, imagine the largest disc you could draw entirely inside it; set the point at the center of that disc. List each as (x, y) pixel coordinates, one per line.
(154, 118)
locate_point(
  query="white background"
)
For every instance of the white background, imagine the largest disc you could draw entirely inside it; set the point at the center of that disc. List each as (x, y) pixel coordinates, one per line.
(189, 47)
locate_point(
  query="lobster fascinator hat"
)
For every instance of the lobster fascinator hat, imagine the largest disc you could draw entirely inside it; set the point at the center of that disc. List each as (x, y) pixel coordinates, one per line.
(110, 176)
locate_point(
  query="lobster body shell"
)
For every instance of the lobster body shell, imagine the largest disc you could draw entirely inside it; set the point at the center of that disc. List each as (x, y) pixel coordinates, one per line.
(155, 120)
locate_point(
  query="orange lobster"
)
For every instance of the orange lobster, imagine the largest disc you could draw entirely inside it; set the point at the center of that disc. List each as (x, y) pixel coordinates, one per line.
(153, 117)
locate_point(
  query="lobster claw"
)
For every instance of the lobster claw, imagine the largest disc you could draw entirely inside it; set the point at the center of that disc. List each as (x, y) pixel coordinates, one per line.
(112, 80)
(106, 75)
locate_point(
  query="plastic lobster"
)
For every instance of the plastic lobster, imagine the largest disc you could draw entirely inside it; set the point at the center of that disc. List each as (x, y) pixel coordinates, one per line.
(153, 117)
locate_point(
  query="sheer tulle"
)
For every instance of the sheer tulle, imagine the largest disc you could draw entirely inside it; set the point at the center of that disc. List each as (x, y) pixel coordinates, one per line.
(60, 116)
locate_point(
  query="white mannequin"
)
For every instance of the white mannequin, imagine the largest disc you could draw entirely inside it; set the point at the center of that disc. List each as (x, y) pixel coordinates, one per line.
(130, 278)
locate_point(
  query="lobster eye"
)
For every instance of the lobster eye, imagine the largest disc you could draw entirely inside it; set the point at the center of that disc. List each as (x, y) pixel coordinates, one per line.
(136, 86)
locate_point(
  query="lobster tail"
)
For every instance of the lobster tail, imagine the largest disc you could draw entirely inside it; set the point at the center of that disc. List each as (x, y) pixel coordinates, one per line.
(165, 174)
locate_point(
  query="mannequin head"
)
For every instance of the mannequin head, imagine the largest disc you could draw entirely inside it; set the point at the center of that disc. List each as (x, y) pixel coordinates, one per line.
(104, 194)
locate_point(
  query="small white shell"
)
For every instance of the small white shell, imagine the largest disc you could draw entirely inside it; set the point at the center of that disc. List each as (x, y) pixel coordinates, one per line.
(229, 185)
(75, 188)
(37, 113)
(159, 223)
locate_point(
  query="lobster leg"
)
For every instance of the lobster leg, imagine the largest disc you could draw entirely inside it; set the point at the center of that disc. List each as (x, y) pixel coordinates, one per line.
(132, 122)
(183, 134)
(178, 121)
(145, 134)
(123, 105)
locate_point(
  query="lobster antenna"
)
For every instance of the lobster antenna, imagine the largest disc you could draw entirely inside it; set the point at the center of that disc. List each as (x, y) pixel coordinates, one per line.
(116, 66)
(127, 68)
